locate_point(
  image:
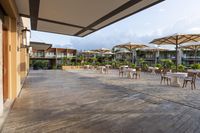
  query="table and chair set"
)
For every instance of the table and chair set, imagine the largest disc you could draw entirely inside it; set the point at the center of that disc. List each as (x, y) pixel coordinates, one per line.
(129, 72)
(173, 78)
(103, 69)
(168, 77)
(100, 69)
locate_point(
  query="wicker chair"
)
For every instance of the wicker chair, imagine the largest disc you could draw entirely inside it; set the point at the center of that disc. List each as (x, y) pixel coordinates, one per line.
(198, 75)
(121, 71)
(158, 71)
(190, 78)
(107, 68)
(137, 73)
(165, 77)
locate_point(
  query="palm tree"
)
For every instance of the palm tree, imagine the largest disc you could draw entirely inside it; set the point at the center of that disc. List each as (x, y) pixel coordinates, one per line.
(81, 58)
(94, 59)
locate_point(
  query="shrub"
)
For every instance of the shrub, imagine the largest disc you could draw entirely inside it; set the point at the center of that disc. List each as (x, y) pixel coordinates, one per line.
(59, 66)
(132, 65)
(40, 64)
(141, 61)
(98, 63)
(167, 63)
(181, 68)
(64, 61)
(195, 66)
(54, 67)
(158, 65)
(173, 68)
(145, 66)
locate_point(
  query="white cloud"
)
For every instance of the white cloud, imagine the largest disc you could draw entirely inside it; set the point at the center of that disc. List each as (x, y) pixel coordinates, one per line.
(194, 30)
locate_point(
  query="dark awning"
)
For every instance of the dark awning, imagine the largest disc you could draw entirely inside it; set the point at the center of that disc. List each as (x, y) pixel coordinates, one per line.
(40, 46)
(78, 17)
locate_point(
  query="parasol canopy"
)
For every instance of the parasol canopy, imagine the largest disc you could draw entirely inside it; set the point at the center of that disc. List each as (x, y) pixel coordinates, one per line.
(131, 47)
(177, 40)
(108, 53)
(156, 48)
(90, 52)
(102, 50)
(193, 46)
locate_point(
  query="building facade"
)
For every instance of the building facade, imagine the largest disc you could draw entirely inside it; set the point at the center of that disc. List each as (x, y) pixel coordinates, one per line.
(151, 57)
(54, 56)
(14, 57)
(186, 57)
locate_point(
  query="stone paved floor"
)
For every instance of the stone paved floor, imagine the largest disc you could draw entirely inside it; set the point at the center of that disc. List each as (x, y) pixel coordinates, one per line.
(88, 102)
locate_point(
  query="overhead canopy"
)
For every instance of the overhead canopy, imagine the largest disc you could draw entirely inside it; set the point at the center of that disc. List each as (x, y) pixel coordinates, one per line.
(108, 53)
(78, 17)
(131, 46)
(40, 46)
(89, 52)
(177, 39)
(154, 49)
(102, 50)
(192, 46)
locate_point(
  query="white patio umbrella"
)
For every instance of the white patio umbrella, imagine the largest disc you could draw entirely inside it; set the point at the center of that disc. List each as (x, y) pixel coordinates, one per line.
(193, 46)
(108, 53)
(155, 49)
(132, 48)
(102, 50)
(177, 40)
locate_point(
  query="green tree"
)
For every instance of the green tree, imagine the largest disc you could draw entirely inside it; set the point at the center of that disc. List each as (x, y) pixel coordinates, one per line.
(94, 59)
(64, 61)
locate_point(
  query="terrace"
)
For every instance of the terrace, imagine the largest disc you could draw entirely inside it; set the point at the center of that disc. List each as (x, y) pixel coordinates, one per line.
(87, 102)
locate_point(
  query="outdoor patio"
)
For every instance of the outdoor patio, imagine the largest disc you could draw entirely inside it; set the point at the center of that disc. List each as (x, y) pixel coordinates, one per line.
(85, 101)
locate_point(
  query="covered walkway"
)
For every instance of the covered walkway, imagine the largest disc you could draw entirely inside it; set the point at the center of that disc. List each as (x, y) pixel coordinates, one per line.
(87, 102)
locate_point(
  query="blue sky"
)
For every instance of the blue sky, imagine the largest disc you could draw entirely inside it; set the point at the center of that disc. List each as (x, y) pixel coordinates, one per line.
(168, 17)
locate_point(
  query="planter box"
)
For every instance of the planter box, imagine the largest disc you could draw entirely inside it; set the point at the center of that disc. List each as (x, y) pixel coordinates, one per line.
(71, 67)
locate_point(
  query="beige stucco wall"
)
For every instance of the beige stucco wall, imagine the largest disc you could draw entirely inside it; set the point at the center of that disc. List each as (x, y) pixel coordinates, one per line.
(1, 72)
(16, 55)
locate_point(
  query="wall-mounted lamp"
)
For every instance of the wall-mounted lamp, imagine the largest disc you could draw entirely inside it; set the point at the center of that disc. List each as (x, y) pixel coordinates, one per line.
(30, 50)
(26, 35)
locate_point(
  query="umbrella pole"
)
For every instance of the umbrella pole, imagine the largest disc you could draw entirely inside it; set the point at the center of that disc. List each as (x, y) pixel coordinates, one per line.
(176, 57)
(156, 56)
(195, 56)
(176, 53)
(133, 60)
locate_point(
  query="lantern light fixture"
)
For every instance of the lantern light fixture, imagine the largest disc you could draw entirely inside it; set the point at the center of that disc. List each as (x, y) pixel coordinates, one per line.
(26, 35)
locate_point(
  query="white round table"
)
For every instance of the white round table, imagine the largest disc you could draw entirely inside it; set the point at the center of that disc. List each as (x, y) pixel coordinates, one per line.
(194, 70)
(130, 72)
(175, 78)
(107, 67)
(87, 66)
(153, 69)
(102, 69)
